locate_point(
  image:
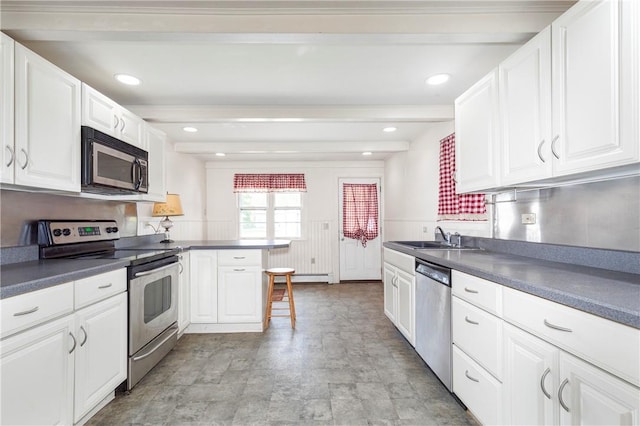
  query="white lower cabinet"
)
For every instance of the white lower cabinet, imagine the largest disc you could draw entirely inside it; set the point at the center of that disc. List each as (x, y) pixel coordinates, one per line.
(101, 352)
(239, 294)
(204, 286)
(36, 369)
(399, 292)
(58, 371)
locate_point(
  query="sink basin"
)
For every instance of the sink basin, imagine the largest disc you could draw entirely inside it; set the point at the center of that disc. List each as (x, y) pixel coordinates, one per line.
(432, 245)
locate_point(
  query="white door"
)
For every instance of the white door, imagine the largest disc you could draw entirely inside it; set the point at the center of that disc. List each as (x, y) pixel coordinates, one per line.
(360, 261)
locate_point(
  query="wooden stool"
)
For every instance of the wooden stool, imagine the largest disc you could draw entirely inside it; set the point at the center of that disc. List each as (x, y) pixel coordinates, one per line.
(280, 272)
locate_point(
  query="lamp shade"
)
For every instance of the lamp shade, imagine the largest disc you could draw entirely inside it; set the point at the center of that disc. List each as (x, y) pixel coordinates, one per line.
(172, 207)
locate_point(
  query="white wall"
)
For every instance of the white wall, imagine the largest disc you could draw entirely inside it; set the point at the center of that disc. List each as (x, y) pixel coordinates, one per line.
(185, 175)
(411, 191)
(320, 210)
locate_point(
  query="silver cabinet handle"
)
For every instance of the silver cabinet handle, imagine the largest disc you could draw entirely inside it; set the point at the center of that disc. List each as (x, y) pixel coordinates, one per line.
(540, 151)
(85, 336)
(181, 268)
(116, 122)
(470, 321)
(11, 154)
(74, 342)
(26, 159)
(544, 376)
(470, 290)
(556, 327)
(238, 269)
(238, 257)
(27, 312)
(565, 382)
(122, 124)
(102, 287)
(553, 146)
(473, 379)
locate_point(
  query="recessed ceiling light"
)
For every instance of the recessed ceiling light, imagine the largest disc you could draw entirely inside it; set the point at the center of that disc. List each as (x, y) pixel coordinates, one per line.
(438, 79)
(127, 79)
(220, 154)
(389, 129)
(190, 129)
(367, 153)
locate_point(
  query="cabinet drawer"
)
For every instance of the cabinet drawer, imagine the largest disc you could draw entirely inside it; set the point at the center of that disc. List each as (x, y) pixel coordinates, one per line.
(480, 392)
(612, 346)
(477, 291)
(479, 334)
(93, 289)
(239, 257)
(29, 309)
(400, 260)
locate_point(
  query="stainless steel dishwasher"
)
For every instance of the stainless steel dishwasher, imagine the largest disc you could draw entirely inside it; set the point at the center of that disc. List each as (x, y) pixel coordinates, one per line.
(433, 318)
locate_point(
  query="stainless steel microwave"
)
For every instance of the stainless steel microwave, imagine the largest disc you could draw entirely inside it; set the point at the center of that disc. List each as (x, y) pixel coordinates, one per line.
(111, 166)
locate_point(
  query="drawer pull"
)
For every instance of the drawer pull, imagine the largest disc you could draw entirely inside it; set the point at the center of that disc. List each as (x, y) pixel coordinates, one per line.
(238, 257)
(470, 290)
(473, 379)
(565, 382)
(556, 327)
(27, 312)
(238, 269)
(470, 321)
(74, 343)
(105, 286)
(544, 376)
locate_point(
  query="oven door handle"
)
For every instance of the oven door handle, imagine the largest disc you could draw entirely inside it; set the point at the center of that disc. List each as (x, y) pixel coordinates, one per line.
(153, 271)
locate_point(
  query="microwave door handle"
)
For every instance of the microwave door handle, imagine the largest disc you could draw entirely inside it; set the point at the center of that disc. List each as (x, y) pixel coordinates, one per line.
(141, 174)
(136, 174)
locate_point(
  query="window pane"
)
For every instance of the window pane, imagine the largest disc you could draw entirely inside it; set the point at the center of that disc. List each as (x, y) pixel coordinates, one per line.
(252, 199)
(287, 199)
(253, 224)
(287, 230)
(292, 215)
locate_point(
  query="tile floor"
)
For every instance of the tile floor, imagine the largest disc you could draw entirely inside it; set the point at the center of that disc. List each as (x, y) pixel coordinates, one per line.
(344, 364)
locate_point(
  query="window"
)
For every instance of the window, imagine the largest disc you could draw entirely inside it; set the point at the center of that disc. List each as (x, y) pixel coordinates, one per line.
(270, 215)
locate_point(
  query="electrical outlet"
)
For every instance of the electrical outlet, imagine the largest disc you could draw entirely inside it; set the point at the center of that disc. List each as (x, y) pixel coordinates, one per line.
(424, 229)
(528, 218)
(313, 260)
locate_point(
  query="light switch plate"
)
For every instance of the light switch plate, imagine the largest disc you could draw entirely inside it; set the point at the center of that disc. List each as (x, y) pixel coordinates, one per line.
(528, 218)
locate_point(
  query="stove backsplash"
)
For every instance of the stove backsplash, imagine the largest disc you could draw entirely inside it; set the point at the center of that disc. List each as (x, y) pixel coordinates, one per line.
(601, 214)
(19, 212)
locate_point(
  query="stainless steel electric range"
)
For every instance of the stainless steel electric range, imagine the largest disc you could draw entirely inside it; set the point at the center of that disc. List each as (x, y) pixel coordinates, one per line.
(152, 284)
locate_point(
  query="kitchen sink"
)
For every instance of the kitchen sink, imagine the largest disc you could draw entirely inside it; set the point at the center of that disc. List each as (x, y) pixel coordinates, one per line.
(432, 245)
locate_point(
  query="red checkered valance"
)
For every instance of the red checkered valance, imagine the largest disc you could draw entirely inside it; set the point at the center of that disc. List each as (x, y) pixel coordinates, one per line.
(451, 205)
(271, 182)
(360, 211)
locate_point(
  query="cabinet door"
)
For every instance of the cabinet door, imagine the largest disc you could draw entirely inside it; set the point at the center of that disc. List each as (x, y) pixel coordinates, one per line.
(390, 292)
(239, 294)
(588, 395)
(595, 87)
(36, 372)
(477, 136)
(531, 372)
(47, 124)
(101, 354)
(98, 111)
(155, 145)
(184, 310)
(405, 315)
(204, 286)
(131, 128)
(525, 112)
(6, 109)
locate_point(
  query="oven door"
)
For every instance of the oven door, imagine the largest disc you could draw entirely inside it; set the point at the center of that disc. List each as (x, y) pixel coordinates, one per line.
(153, 304)
(118, 169)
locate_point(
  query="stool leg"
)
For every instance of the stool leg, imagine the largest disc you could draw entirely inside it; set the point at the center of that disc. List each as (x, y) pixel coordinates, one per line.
(267, 316)
(292, 306)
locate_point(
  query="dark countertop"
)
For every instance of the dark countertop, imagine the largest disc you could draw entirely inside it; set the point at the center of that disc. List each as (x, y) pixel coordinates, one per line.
(609, 294)
(31, 275)
(23, 277)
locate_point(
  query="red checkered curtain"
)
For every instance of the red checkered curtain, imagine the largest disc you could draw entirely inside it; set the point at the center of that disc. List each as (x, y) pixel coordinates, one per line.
(451, 205)
(360, 211)
(269, 182)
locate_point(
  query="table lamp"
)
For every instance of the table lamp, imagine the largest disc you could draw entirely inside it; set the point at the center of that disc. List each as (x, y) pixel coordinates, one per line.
(172, 207)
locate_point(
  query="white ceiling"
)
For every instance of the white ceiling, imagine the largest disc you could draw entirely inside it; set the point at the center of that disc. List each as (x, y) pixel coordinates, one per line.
(281, 80)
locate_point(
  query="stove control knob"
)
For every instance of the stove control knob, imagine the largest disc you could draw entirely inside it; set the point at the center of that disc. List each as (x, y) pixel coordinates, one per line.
(66, 232)
(57, 232)
(113, 229)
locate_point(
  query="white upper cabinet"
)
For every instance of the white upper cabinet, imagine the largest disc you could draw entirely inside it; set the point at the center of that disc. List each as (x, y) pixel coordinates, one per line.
(47, 124)
(103, 114)
(595, 86)
(155, 141)
(478, 136)
(6, 108)
(525, 112)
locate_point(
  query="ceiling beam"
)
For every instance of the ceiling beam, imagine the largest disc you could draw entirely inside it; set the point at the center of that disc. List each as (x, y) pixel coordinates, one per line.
(258, 147)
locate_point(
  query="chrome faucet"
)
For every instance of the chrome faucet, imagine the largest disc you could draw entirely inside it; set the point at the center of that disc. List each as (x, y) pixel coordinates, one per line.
(446, 237)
